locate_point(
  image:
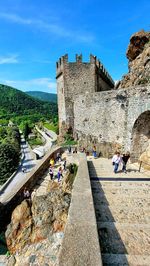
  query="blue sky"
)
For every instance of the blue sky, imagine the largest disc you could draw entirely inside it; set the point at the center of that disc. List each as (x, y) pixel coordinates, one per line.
(35, 33)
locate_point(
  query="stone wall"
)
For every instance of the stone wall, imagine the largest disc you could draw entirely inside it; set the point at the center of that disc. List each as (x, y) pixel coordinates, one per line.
(107, 118)
(75, 79)
(80, 244)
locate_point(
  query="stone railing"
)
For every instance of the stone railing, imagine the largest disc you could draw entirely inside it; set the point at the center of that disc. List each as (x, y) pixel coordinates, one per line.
(80, 246)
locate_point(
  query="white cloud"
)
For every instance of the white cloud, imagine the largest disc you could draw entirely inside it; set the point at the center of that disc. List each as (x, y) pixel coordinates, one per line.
(39, 84)
(15, 18)
(12, 59)
(53, 28)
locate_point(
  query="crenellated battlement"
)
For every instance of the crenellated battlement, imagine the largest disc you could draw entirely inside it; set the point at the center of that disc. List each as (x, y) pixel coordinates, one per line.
(100, 69)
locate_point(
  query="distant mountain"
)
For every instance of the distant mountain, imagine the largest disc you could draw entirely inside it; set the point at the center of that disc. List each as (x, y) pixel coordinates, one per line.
(14, 102)
(44, 96)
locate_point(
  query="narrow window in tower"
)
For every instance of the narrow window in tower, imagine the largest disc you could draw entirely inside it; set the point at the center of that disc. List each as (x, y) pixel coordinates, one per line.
(62, 90)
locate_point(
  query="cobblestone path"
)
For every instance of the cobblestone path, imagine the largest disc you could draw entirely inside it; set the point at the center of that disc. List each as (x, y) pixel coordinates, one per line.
(122, 207)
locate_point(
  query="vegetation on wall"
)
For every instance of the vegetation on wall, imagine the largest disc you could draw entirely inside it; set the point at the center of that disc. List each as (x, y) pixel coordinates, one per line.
(52, 126)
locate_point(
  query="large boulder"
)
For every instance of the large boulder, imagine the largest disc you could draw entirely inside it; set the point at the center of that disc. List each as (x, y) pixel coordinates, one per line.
(137, 43)
(145, 158)
(19, 230)
(138, 54)
(31, 223)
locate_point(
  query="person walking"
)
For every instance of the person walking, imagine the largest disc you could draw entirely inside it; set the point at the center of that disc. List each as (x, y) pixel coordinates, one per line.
(69, 149)
(64, 165)
(59, 174)
(125, 158)
(52, 162)
(51, 172)
(26, 193)
(116, 160)
(94, 152)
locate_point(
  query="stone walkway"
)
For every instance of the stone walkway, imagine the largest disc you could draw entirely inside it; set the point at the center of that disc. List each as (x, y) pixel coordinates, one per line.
(42, 184)
(122, 206)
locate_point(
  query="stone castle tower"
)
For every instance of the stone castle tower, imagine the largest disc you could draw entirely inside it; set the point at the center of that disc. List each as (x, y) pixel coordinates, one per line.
(75, 79)
(96, 113)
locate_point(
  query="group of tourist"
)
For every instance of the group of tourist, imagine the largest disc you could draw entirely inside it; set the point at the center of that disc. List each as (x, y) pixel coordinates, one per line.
(120, 159)
(59, 173)
(116, 160)
(60, 169)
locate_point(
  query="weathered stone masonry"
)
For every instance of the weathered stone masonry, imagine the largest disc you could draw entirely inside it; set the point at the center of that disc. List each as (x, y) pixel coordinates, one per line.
(75, 79)
(118, 118)
(99, 114)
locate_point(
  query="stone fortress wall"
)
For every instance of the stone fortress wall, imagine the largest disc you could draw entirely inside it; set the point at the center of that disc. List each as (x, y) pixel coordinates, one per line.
(98, 113)
(114, 119)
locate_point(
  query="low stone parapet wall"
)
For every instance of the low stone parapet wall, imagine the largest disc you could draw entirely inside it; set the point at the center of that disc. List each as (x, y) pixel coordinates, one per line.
(30, 181)
(80, 246)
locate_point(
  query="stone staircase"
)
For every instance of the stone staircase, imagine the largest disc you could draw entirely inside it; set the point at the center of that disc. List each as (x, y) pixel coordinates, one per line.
(122, 206)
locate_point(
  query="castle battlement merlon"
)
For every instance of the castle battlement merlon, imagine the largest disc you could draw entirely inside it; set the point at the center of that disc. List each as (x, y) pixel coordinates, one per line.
(60, 64)
(78, 58)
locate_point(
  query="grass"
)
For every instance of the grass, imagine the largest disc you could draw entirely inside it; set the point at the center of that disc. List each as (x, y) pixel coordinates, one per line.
(69, 143)
(35, 142)
(51, 126)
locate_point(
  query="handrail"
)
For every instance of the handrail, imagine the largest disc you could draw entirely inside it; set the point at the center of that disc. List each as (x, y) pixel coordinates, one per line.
(141, 165)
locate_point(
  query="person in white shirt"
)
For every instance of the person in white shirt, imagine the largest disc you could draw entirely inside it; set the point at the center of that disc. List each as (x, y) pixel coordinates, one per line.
(116, 160)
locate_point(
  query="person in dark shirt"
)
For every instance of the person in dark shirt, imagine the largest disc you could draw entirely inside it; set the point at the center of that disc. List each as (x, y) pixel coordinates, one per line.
(125, 158)
(26, 193)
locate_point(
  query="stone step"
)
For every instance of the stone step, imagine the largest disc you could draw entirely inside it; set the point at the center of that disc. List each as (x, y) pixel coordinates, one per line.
(124, 239)
(122, 192)
(131, 184)
(120, 214)
(125, 260)
(100, 196)
(120, 174)
(124, 202)
(122, 207)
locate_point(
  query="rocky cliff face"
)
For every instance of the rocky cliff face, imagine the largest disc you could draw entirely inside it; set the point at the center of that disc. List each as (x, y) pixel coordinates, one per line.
(138, 54)
(37, 225)
(145, 158)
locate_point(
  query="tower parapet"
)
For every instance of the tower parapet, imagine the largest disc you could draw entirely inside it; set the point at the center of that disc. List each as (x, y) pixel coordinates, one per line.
(100, 69)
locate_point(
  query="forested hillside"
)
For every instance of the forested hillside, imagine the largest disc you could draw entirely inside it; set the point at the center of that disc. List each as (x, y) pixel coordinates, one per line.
(44, 96)
(17, 105)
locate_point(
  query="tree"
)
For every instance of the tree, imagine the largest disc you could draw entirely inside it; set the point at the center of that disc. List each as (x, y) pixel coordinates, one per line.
(9, 160)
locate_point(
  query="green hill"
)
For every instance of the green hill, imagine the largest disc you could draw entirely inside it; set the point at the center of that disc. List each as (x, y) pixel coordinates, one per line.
(15, 103)
(44, 96)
